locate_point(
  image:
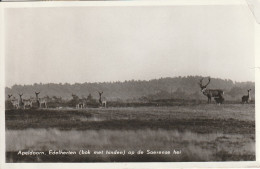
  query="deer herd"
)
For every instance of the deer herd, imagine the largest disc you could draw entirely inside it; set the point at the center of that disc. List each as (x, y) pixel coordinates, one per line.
(23, 103)
(42, 102)
(217, 94)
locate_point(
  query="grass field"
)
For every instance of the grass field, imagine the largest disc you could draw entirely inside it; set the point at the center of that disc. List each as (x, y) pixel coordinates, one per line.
(191, 133)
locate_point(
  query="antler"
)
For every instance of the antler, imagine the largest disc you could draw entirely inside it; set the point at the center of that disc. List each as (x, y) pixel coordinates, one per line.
(37, 93)
(208, 82)
(200, 82)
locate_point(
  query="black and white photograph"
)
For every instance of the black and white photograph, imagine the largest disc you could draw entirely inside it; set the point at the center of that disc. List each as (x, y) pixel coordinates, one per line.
(129, 83)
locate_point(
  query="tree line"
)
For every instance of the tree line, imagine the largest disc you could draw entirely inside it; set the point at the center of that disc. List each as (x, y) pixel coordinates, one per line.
(136, 90)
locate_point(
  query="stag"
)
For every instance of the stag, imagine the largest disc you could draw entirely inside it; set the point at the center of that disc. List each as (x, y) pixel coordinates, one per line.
(217, 94)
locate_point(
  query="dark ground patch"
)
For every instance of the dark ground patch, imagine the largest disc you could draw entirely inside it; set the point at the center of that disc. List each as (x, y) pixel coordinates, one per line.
(72, 119)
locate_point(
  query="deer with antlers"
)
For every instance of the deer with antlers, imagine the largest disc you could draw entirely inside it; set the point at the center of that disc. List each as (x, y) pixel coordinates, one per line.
(217, 94)
(103, 103)
(246, 98)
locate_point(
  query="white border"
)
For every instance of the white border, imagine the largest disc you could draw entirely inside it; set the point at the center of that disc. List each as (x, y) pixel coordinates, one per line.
(257, 91)
(120, 3)
(4, 5)
(2, 88)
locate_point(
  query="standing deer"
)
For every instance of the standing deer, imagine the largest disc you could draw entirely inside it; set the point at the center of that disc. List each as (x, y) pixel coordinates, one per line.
(24, 102)
(246, 98)
(40, 101)
(217, 94)
(20, 102)
(102, 103)
(14, 101)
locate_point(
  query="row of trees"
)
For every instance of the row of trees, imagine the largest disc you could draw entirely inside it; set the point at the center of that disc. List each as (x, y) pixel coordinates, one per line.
(134, 90)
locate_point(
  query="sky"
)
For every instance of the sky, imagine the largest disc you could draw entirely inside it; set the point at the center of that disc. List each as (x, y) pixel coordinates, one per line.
(112, 43)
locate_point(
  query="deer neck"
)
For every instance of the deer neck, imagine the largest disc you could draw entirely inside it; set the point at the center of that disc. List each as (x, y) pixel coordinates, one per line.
(204, 90)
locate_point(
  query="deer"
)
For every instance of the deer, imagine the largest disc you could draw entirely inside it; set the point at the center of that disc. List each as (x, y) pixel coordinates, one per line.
(40, 101)
(14, 101)
(20, 102)
(27, 102)
(24, 102)
(217, 94)
(102, 103)
(246, 98)
(80, 105)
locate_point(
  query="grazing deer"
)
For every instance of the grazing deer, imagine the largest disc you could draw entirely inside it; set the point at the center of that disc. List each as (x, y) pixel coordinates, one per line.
(80, 105)
(27, 102)
(102, 103)
(14, 101)
(246, 98)
(217, 94)
(40, 101)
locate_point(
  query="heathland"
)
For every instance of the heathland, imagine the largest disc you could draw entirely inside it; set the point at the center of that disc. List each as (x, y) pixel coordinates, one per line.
(198, 132)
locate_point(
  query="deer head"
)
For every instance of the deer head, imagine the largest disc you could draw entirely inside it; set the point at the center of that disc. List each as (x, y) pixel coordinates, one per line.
(20, 94)
(37, 93)
(100, 93)
(203, 86)
(9, 96)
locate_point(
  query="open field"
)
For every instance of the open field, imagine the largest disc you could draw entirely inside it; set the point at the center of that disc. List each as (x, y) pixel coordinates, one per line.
(201, 132)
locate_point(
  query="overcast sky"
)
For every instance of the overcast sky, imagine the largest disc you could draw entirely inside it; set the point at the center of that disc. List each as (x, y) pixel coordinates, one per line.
(95, 44)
